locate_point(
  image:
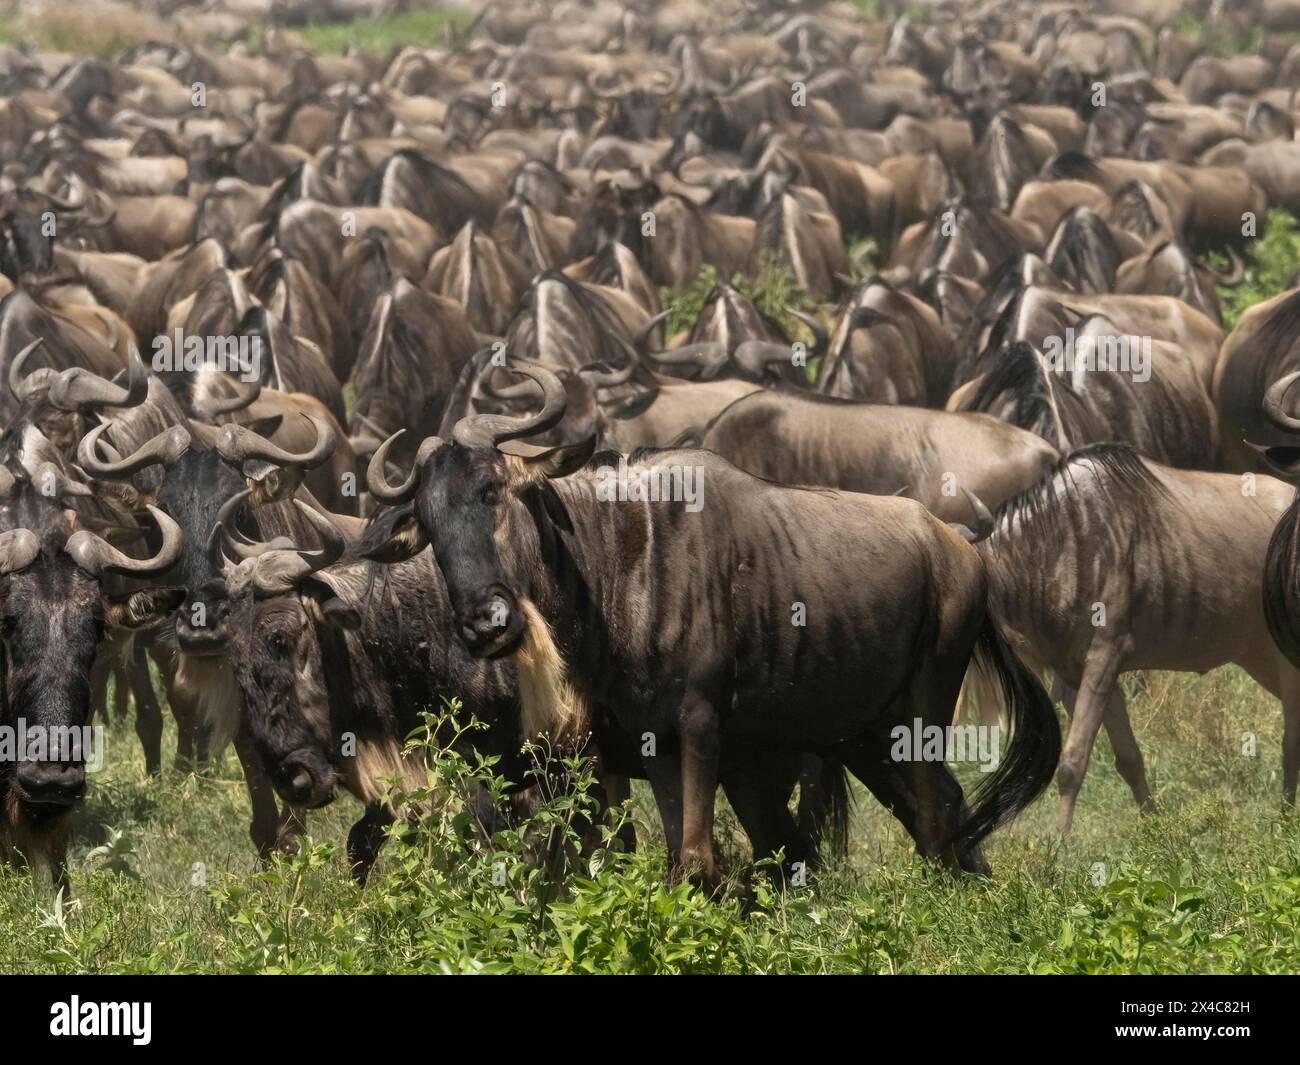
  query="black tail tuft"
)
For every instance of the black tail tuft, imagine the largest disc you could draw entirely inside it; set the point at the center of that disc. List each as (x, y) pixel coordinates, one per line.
(1029, 761)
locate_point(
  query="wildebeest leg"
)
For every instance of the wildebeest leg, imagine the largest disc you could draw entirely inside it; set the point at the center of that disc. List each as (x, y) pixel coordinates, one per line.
(1282, 680)
(871, 763)
(1100, 670)
(815, 813)
(365, 839)
(764, 813)
(186, 715)
(698, 729)
(1290, 695)
(100, 670)
(664, 773)
(1062, 693)
(263, 829)
(148, 714)
(1128, 756)
(120, 692)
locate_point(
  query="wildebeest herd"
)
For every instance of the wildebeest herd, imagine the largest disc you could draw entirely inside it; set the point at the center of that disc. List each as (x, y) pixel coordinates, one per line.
(340, 386)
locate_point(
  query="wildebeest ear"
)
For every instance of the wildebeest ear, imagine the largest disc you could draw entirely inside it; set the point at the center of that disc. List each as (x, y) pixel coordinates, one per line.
(556, 461)
(333, 610)
(138, 610)
(393, 536)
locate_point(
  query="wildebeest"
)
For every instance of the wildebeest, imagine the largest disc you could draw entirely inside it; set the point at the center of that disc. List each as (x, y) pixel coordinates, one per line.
(56, 601)
(540, 567)
(1115, 563)
(931, 456)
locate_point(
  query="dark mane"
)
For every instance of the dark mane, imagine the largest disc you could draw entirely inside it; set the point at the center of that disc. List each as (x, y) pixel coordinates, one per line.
(1125, 479)
(1074, 166)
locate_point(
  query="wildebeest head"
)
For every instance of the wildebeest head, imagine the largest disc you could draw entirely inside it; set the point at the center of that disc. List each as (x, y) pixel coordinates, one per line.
(190, 470)
(473, 505)
(28, 222)
(276, 602)
(53, 609)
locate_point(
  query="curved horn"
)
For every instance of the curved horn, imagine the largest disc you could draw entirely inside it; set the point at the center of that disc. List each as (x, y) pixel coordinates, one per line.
(675, 78)
(490, 430)
(591, 81)
(642, 337)
(377, 481)
(94, 554)
(165, 448)
(210, 407)
(821, 335)
(984, 523)
(238, 443)
(707, 357)
(23, 387)
(17, 549)
(1275, 403)
(113, 334)
(281, 571)
(521, 390)
(53, 483)
(1235, 272)
(755, 356)
(226, 534)
(608, 379)
(78, 389)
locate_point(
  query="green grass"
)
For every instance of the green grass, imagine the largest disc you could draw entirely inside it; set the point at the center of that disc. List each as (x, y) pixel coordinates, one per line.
(1271, 263)
(1209, 884)
(379, 36)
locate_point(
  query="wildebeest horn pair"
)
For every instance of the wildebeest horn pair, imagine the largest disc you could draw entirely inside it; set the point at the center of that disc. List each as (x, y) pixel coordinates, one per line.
(278, 566)
(477, 430)
(210, 407)
(238, 443)
(490, 430)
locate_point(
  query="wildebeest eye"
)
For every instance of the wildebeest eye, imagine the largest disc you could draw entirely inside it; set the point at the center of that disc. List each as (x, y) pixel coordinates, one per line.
(489, 495)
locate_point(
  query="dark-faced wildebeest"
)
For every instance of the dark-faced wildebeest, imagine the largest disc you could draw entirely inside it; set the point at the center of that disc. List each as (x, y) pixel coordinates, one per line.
(55, 606)
(679, 620)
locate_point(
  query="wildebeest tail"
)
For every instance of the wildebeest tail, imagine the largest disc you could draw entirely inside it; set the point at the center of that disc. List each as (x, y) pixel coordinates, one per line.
(1282, 584)
(1028, 761)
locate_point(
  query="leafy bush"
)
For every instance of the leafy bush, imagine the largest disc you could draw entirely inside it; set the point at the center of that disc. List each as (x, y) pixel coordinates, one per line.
(774, 292)
(165, 879)
(1271, 264)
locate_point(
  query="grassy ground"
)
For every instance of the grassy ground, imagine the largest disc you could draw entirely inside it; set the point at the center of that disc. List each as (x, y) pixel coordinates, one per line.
(166, 881)
(67, 27)
(381, 35)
